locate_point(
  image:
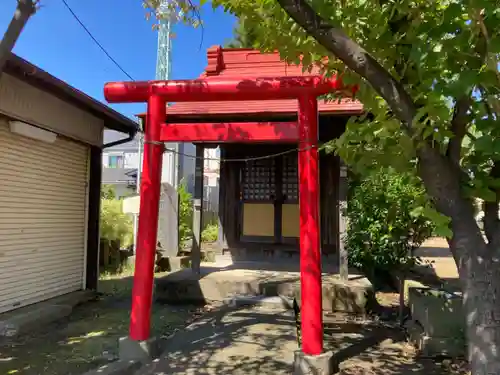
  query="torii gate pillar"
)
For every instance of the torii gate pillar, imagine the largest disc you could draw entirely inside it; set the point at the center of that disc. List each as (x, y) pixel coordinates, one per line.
(310, 253)
(142, 291)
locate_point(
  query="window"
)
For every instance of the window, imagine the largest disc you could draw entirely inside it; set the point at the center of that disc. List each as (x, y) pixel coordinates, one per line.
(115, 161)
(259, 180)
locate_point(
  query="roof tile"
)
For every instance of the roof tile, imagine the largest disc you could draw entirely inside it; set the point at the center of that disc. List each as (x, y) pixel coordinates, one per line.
(252, 63)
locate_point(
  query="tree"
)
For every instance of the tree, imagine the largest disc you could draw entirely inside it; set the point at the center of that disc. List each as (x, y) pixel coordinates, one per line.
(243, 36)
(427, 73)
(25, 9)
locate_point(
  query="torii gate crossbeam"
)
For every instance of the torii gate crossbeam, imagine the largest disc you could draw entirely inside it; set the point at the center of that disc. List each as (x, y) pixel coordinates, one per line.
(157, 94)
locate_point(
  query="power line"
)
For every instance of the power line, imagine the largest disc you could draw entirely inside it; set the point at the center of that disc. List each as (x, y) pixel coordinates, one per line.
(269, 156)
(95, 40)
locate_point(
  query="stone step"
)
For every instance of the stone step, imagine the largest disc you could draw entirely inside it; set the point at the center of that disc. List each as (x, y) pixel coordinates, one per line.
(276, 302)
(354, 296)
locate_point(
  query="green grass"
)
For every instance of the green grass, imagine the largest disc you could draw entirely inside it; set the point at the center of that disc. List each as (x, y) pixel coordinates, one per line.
(89, 337)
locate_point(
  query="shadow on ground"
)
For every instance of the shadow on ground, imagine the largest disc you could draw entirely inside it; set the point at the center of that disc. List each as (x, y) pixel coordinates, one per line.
(88, 337)
(255, 341)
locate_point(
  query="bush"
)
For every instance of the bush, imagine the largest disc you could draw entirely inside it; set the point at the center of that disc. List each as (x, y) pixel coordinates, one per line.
(116, 232)
(108, 192)
(382, 232)
(185, 214)
(210, 233)
(115, 225)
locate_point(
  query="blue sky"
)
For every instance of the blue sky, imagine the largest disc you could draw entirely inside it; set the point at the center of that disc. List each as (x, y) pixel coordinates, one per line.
(55, 42)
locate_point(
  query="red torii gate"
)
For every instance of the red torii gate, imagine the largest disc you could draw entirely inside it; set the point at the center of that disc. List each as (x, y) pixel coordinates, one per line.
(156, 94)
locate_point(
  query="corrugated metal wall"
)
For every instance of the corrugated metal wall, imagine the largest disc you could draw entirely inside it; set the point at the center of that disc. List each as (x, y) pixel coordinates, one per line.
(43, 189)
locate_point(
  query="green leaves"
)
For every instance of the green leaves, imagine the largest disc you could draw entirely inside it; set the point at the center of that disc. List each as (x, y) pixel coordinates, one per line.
(386, 215)
(185, 213)
(114, 224)
(440, 221)
(439, 51)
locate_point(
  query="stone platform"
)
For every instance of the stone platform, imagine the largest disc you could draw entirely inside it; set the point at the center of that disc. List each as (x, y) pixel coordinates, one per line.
(224, 279)
(437, 327)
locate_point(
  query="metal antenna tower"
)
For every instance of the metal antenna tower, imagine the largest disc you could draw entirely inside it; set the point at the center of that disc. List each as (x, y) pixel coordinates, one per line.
(164, 58)
(163, 72)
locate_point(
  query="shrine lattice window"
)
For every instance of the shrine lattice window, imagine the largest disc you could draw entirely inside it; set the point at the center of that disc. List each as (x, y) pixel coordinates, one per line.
(290, 187)
(259, 180)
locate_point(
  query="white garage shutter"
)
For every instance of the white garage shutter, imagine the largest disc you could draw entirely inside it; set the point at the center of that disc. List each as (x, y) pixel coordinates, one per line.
(42, 218)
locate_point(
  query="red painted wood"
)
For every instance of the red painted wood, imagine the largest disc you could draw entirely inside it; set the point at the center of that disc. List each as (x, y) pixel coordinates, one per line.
(310, 254)
(243, 62)
(243, 132)
(222, 88)
(142, 292)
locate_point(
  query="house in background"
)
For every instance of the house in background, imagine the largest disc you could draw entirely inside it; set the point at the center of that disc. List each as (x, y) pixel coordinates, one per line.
(211, 175)
(121, 164)
(51, 141)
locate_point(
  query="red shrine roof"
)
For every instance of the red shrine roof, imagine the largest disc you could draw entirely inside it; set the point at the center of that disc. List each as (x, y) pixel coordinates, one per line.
(241, 62)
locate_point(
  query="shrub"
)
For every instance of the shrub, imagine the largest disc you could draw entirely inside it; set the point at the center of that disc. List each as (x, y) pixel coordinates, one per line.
(382, 231)
(210, 233)
(116, 232)
(185, 214)
(108, 192)
(115, 225)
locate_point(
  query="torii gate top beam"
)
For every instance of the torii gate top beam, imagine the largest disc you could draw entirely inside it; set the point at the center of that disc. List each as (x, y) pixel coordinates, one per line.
(223, 89)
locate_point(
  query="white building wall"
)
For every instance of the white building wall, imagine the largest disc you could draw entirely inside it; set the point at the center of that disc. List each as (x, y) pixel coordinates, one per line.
(131, 160)
(105, 159)
(188, 165)
(212, 162)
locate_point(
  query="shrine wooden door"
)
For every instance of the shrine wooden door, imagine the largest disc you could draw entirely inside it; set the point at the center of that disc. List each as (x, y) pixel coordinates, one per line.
(269, 200)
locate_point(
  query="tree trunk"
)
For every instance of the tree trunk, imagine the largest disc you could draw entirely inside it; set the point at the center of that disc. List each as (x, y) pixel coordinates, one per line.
(25, 9)
(480, 277)
(478, 263)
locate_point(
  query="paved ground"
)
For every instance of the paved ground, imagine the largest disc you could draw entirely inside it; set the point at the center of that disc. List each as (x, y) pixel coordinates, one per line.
(262, 341)
(231, 341)
(436, 253)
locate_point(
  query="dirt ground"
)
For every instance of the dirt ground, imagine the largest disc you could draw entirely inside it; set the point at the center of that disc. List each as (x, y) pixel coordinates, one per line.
(89, 337)
(376, 348)
(384, 350)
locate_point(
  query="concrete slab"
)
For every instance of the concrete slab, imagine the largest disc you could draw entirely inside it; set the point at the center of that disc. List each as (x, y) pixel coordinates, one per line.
(435, 346)
(438, 312)
(249, 341)
(31, 317)
(221, 282)
(131, 350)
(277, 302)
(322, 364)
(437, 327)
